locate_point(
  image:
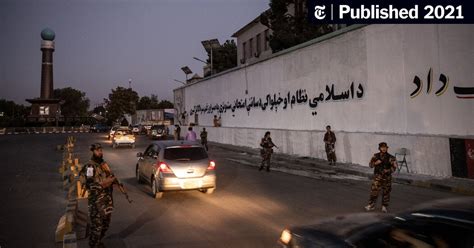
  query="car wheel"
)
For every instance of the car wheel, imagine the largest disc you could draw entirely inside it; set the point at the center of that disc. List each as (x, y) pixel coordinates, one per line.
(208, 191)
(154, 189)
(137, 174)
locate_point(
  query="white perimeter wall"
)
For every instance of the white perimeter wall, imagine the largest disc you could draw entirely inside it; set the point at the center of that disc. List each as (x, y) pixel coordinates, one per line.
(384, 59)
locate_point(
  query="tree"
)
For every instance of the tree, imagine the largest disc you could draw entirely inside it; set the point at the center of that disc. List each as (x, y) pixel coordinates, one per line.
(12, 114)
(223, 58)
(74, 102)
(121, 101)
(165, 105)
(146, 102)
(290, 29)
(11, 109)
(100, 110)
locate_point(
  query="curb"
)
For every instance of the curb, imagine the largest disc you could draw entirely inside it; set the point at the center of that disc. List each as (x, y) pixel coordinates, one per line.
(400, 180)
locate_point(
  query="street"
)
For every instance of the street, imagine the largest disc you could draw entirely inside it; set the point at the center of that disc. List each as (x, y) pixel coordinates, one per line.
(248, 209)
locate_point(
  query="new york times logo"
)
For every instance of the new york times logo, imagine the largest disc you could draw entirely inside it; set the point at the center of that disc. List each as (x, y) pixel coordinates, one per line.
(390, 11)
(319, 12)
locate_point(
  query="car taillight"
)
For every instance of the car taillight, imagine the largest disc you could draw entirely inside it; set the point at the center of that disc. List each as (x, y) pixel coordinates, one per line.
(163, 167)
(285, 237)
(212, 165)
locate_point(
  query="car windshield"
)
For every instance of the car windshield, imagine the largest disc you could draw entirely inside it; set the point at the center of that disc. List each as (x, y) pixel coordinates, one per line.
(185, 153)
(123, 132)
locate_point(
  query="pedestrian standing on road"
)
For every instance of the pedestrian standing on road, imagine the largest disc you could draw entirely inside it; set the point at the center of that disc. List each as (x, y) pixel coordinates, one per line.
(100, 200)
(203, 135)
(177, 132)
(266, 151)
(191, 135)
(330, 143)
(384, 165)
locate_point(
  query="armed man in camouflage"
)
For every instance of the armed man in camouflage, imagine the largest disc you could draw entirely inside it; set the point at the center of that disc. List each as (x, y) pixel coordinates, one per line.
(99, 184)
(266, 151)
(204, 138)
(330, 145)
(384, 165)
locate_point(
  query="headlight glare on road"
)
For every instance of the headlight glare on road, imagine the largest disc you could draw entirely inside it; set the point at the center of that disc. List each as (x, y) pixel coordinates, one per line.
(285, 237)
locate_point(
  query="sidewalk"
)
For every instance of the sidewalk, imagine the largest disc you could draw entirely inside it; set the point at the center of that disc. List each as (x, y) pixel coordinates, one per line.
(314, 168)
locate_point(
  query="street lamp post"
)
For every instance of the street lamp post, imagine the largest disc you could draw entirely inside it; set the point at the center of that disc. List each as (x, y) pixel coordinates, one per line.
(198, 59)
(186, 71)
(176, 80)
(210, 45)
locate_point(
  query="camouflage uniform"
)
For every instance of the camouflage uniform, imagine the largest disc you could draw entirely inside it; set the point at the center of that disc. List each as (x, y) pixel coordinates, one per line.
(382, 177)
(177, 132)
(100, 200)
(330, 140)
(204, 139)
(266, 152)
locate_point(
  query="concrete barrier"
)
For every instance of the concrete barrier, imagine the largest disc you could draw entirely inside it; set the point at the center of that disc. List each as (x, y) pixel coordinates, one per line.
(70, 240)
(65, 226)
(43, 130)
(73, 224)
(80, 219)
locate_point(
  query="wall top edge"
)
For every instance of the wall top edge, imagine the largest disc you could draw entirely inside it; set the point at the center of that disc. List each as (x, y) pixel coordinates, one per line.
(283, 52)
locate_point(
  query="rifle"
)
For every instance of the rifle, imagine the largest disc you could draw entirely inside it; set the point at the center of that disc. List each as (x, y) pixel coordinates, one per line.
(83, 190)
(108, 172)
(275, 145)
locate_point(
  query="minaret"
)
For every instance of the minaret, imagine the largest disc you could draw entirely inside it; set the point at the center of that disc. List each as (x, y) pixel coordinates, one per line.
(47, 47)
(45, 108)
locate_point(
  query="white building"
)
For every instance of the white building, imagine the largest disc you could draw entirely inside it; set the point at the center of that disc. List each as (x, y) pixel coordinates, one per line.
(252, 42)
(408, 85)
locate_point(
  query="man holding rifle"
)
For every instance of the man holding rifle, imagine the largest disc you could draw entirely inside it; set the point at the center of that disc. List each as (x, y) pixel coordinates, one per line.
(266, 151)
(99, 181)
(384, 165)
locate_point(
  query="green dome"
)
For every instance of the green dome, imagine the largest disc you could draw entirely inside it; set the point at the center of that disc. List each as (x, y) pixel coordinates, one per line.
(47, 34)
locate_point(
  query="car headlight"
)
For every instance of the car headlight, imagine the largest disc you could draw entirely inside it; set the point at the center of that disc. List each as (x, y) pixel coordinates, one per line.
(285, 237)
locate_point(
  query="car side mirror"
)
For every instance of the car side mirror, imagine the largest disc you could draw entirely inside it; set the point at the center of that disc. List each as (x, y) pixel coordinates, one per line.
(139, 155)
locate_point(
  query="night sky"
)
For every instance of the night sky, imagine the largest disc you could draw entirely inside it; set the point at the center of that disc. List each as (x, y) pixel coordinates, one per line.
(101, 44)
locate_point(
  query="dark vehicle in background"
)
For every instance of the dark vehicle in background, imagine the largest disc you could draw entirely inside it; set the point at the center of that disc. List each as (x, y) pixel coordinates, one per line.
(443, 223)
(99, 128)
(159, 132)
(175, 166)
(136, 129)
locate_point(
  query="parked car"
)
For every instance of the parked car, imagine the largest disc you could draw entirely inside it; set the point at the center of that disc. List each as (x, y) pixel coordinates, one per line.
(136, 129)
(176, 166)
(159, 132)
(123, 136)
(99, 128)
(442, 223)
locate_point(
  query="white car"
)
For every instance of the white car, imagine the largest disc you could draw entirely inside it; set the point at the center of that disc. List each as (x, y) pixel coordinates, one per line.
(123, 136)
(113, 129)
